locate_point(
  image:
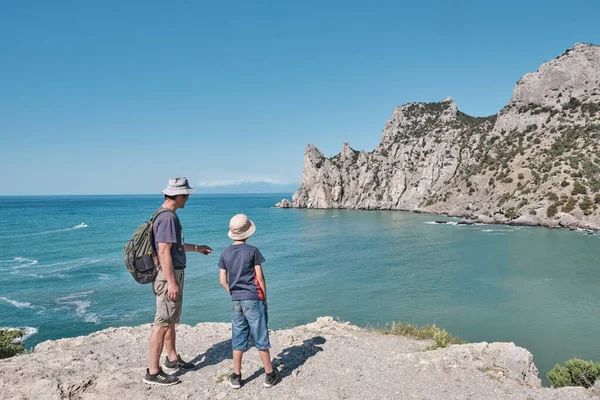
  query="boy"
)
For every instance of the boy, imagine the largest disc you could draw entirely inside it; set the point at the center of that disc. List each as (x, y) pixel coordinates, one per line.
(242, 277)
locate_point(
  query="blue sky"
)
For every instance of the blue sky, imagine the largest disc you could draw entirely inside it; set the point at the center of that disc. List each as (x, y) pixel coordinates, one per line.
(117, 96)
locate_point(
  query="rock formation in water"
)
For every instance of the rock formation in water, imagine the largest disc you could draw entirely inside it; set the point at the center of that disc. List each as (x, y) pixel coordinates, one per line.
(536, 162)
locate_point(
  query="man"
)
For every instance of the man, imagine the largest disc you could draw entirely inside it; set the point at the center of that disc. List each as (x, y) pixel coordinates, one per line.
(168, 286)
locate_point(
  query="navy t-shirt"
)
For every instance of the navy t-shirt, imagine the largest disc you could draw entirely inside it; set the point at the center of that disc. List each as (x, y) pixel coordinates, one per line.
(167, 229)
(239, 261)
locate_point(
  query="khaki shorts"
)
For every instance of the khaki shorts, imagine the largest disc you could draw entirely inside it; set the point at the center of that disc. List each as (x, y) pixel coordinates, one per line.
(167, 311)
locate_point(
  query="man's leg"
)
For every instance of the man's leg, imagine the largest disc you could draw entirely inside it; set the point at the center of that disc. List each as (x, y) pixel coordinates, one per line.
(170, 343)
(157, 340)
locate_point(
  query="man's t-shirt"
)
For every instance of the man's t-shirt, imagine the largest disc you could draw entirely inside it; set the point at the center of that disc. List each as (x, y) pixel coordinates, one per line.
(239, 261)
(167, 229)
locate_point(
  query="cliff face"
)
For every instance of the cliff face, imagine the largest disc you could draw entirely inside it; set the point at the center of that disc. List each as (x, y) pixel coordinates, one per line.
(536, 162)
(322, 360)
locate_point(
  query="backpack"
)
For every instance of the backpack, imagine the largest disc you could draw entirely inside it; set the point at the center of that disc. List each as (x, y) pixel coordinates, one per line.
(141, 258)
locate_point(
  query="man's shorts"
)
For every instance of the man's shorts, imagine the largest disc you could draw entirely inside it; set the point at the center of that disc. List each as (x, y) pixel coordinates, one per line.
(167, 312)
(249, 318)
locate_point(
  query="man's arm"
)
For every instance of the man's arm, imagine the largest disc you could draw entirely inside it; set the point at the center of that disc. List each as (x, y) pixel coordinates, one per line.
(223, 280)
(260, 277)
(166, 264)
(200, 248)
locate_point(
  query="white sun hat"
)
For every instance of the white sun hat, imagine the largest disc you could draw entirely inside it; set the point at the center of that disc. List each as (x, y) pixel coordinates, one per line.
(240, 227)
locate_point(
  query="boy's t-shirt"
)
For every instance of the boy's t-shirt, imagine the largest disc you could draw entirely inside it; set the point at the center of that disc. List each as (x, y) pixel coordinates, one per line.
(239, 261)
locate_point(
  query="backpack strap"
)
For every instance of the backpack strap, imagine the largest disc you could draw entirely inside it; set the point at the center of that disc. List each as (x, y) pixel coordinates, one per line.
(157, 213)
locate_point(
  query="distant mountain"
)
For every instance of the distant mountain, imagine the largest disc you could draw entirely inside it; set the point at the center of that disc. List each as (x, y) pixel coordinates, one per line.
(247, 187)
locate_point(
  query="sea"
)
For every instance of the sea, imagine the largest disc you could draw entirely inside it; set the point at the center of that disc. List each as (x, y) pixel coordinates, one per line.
(62, 272)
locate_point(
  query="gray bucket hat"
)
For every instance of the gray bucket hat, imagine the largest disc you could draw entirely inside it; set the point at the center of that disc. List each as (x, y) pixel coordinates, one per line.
(178, 186)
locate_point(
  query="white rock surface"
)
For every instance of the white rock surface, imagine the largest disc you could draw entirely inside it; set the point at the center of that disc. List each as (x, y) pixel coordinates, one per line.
(322, 360)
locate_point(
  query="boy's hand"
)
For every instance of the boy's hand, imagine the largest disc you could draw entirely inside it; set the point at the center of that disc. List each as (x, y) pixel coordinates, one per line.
(204, 250)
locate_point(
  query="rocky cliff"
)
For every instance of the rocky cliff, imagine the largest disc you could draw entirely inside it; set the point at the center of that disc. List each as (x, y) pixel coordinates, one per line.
(322, 360)
(536, 162)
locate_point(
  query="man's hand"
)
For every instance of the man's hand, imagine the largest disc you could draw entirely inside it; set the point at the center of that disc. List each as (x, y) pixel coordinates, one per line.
(172, 291)
(204, 250)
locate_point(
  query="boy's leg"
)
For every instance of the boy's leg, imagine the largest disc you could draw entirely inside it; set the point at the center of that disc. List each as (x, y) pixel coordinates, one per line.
(265, 357)
(257, 317)
(237, 361)
(239, 335)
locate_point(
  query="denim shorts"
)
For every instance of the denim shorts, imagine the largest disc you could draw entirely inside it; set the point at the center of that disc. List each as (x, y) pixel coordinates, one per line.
(249, 317)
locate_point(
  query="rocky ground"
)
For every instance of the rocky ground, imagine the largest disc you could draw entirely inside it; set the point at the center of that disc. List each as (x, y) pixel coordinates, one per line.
(322, 360)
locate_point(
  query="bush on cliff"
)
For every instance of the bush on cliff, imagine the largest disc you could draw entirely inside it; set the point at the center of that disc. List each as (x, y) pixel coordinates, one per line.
(576, 372)
(441, 337)
(10, 345)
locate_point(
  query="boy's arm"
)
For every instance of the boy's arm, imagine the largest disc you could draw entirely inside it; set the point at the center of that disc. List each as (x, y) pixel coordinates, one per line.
(223, 280)
(260, 277)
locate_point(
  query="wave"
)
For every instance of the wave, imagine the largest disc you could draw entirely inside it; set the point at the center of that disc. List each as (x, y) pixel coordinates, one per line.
(18, 304)
(28, 330)
(80, 226)
(80, 306)
(23, 304)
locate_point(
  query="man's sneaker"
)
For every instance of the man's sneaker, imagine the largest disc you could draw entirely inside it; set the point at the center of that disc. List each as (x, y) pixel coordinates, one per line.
(235, 381)
(272, 378)
(178, 364)
(160, 378)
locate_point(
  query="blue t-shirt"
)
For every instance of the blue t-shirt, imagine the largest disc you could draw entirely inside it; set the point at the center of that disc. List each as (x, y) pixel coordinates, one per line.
(167, 229)
(239, 261)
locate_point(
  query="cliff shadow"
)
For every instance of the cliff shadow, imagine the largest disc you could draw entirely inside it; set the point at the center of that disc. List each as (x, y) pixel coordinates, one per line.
(214, 355)
(290, 359)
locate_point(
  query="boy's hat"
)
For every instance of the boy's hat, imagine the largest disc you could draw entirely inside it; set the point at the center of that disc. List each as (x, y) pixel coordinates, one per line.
(240, 227)
(178, 186)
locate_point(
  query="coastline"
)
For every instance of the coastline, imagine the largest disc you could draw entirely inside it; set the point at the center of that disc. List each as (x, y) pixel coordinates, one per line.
(470, 219)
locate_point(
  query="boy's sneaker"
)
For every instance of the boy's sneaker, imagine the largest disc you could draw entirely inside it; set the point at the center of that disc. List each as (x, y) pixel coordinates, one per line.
(178, 364)
(235, 381)
(160, 378)
(272, 378)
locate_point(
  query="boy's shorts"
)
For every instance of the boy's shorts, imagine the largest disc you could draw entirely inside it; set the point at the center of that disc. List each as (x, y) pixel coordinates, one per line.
(167, 312)
(249, 317)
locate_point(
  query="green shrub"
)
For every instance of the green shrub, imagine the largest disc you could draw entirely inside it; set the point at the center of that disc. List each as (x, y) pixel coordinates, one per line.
(552, 210)
(564, 183)
(8, 346)
(570, 206)
(586, 205)
(440, 336)
(597, 198)
(578, 188)
(521, 176)
(576, 372)
(559, 376)
(552, 196)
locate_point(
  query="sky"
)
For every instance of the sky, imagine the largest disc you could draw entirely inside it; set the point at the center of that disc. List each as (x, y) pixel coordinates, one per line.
(115, 97)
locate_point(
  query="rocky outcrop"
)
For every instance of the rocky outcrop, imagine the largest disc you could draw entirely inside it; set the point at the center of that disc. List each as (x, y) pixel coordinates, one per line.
(539, 156)
(321, 360)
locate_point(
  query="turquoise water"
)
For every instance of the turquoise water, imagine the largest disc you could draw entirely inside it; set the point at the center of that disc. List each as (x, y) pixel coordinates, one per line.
(62, 275)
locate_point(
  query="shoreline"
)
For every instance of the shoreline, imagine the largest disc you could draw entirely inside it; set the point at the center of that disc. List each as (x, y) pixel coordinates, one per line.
(468, 218)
